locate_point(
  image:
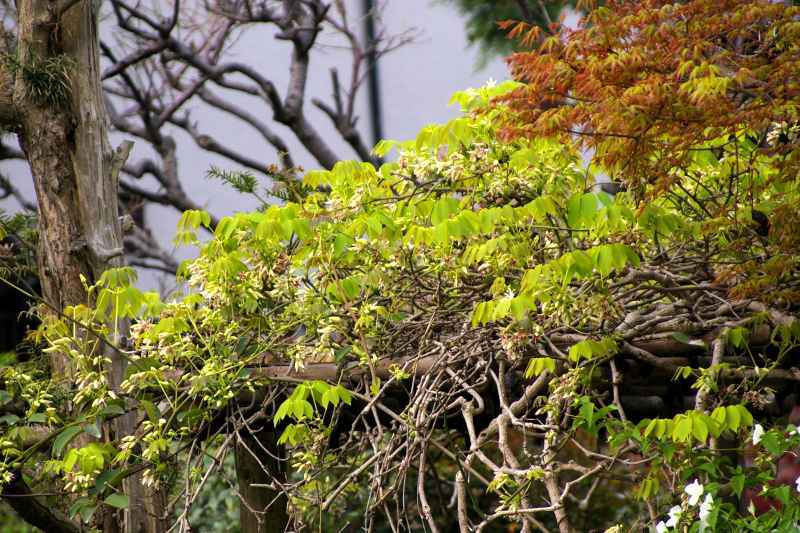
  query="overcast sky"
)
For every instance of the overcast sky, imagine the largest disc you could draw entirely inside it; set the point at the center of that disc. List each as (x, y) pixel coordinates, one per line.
(416, 83)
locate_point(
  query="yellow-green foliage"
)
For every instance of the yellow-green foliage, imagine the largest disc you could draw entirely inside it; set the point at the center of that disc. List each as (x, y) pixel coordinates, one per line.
(464, 232)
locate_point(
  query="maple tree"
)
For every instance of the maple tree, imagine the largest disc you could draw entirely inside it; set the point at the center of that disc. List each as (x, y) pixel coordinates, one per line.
(648, 87)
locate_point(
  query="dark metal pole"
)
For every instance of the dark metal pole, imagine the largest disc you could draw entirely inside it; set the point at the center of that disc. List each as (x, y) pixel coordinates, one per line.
(373, 78)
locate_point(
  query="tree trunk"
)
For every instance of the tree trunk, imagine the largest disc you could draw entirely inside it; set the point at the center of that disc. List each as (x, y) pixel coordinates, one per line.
(263, 510)
(63, 129)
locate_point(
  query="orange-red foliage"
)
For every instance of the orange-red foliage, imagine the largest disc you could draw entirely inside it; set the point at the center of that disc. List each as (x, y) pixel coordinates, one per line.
(643, 83)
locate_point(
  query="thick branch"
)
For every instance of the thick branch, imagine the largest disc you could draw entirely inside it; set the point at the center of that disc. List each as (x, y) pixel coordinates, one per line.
(19, 496)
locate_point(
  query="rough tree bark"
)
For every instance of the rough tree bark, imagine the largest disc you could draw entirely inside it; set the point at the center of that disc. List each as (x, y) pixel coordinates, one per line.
(64, 135)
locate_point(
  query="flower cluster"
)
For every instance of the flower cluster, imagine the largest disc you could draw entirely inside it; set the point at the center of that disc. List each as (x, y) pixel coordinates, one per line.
(694, 492)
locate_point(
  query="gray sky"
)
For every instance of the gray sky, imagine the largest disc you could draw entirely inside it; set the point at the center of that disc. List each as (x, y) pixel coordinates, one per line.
(416, 83)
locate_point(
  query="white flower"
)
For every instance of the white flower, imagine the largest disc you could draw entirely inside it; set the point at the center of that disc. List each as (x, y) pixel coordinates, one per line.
(661, 527)
(705, 511)
(797, 484)
(674, 516)
(758, 432)
(694, 490)
(705, 507)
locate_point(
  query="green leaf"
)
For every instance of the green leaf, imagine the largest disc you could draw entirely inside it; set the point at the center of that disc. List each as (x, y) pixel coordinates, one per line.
(64, 438)
(152, 411)
(587, 413)
(537, 365)
(783, 493)
(737, 484)
(581, 209)
(9, 419)
(93, 430)
(648, 488)
(483, 313)
(733, 417)
(91, 458)
(116, 278)
(681, 337)
(84, 507)
(683, 372)
(344, 394)
(520, 305)
(38, 418)
(604, 261)
(70, 459)
(773, 443)
(383, 147)
(318, 389)
(112, 409)
(301, 227)
(5, 397)
(107, 478)
(699, 429)
(86, 513)
(141, 365)
(747, 418)
(190, 415)
(284, 409)
(350, 288)
(613, 257)
(120, 501)
(737, 337)
(651, 426)
(329, 397)
(317, 178)
(577, 263)
(287, 435)
(719, 414)
(442, 209)
(591, 349)
(683, 428)
(302, 409)
(293, 434)
(341, 243)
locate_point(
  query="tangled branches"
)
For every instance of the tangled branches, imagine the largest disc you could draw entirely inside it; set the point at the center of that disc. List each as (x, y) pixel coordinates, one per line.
(465, 338)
